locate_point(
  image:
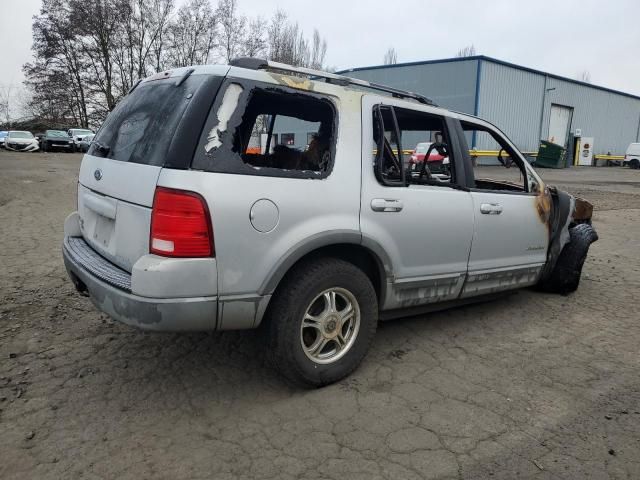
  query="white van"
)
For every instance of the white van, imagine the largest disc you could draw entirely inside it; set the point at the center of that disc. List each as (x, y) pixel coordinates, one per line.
(632, 157)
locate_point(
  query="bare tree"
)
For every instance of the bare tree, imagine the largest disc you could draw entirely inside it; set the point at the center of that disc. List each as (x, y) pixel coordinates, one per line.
(255, 41)
(468, 51)
(60, 72)
(584, 76)
(88, 53)
(5, 103)
(232, 29)
(391, 57)
(287, 43)
(318, 50)
(192, 35)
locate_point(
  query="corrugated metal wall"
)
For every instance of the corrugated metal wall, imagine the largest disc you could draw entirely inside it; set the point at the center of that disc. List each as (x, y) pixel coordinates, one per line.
(612, 119)
(449, 84)
(512, 99)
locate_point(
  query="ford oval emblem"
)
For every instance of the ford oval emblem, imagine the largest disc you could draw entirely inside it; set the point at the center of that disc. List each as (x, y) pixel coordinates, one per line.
(97, 174)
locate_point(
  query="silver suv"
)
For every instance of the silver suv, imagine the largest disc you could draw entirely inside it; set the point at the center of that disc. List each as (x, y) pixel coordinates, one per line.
(259, 194)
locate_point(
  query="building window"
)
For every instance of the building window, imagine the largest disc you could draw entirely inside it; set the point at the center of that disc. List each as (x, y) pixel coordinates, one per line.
(287, 139)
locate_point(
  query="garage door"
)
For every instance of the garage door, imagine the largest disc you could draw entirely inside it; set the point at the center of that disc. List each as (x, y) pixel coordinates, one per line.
(559, 124)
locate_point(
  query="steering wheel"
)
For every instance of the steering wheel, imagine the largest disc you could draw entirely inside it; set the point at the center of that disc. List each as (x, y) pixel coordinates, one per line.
(441, 148)
(508, 162)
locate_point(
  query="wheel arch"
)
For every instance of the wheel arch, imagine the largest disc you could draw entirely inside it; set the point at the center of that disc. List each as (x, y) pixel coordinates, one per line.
(347, 246)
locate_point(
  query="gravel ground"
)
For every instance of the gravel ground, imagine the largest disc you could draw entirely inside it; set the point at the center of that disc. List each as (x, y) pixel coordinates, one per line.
(529, 386)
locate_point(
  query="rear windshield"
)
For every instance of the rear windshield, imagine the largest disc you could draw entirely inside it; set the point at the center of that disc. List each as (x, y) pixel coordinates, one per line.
(141, 127)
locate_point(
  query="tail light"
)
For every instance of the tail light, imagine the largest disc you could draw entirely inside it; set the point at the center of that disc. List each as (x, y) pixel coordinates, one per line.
(180, 225)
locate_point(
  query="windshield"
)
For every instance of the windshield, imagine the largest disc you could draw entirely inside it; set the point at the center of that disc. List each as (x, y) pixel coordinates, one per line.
(56, 133)
(80, 132)
(20, 135)
(141, 127)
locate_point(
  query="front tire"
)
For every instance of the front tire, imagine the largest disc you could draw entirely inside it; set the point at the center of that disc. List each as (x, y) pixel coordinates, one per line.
(321, 321)
(565, 277)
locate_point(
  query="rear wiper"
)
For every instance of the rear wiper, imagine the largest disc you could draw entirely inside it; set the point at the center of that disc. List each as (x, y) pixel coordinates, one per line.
(102, 148)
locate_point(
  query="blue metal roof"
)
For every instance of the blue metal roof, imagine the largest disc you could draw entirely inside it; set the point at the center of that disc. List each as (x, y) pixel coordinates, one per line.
(494, 60)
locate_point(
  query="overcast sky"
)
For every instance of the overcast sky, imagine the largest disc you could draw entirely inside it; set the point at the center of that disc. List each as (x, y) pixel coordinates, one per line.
(564, 37)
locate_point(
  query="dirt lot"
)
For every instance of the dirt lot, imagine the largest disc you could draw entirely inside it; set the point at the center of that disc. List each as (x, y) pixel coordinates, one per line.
(530, 386)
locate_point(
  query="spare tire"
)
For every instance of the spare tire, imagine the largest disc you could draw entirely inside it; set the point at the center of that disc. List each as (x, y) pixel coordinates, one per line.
(565, 276)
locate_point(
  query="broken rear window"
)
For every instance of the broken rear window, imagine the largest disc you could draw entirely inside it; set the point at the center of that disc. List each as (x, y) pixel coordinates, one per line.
(263, 129)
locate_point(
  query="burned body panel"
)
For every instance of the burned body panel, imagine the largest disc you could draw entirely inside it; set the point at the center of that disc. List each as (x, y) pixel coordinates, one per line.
(571, 234)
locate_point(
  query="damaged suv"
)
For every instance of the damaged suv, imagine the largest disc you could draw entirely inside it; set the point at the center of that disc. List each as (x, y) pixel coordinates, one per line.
(263, 195)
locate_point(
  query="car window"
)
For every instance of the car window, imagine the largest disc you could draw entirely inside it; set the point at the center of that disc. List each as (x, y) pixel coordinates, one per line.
(141, 127)
(262, 129)
(496, 165)
(430, 161)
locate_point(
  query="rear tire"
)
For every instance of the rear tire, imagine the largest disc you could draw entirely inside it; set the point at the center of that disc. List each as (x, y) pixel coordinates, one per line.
(566, 274)
(312, 305)
(634, 164)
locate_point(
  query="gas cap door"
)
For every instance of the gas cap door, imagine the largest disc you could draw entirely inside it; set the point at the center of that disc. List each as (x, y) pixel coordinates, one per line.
(264, 215)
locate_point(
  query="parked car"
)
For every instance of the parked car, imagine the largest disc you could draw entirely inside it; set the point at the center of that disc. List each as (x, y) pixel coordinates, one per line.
(21, 141)
(56, 139)
(3, 134)
(436, 162)
(179, 228)
(77, 134)
(83, 145)
(632, 157)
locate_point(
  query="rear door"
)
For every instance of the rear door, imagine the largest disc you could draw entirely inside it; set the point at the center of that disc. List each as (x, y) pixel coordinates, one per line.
(155, 126)
(424, 226)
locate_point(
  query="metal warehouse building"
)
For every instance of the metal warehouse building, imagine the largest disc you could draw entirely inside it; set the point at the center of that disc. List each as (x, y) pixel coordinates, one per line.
(527, 104)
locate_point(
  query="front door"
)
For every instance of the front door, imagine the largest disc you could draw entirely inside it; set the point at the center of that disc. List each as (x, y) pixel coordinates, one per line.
(424, 226)
(511, 210)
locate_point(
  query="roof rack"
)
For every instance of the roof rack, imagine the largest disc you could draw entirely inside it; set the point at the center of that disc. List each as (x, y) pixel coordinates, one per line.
(261, 64)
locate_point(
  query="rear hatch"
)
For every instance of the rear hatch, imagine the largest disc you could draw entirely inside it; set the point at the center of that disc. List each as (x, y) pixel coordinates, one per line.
(156, 126)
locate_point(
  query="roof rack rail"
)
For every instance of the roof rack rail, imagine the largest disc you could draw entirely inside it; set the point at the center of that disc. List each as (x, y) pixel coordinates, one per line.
(261, 64)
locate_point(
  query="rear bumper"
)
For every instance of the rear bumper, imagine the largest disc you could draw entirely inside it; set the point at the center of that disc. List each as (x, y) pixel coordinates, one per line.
(109, 288)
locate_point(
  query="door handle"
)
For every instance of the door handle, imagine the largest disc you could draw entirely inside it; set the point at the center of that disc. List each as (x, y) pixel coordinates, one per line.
(491, 208)
(386, 205)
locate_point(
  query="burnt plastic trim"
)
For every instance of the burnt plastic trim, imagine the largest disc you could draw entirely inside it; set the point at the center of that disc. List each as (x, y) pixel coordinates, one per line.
(249, 62)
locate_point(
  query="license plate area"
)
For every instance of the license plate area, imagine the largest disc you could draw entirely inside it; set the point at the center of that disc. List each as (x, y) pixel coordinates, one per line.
(103, 231)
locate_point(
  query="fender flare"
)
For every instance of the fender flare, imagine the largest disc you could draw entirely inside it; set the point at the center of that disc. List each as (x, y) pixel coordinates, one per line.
(321, 240)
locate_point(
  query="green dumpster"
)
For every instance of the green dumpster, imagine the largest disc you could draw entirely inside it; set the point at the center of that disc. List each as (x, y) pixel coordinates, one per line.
(550, 155)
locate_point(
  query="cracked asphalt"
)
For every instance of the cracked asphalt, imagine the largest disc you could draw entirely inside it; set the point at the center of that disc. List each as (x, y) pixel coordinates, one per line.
(529, 386)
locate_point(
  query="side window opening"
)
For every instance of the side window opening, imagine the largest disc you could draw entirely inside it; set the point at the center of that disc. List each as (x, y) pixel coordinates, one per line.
(275, 128)
(508, 172)
(388, 162)
(414, 148)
